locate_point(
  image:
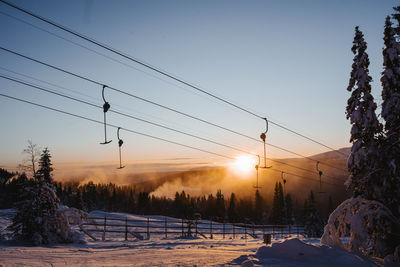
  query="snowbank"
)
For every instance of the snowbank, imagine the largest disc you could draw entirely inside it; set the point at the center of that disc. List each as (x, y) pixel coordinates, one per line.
(294, 252)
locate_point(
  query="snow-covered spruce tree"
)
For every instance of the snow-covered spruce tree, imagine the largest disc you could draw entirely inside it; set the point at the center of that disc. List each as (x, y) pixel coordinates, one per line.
(391, 114)
(362, 163)
(45, 169)
(37, 218)
(364, 218)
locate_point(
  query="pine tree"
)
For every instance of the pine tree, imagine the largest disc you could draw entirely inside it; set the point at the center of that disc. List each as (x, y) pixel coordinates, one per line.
(278, 209)
(37, 218)
(232, 211)
(258, 207)
(45, 169)
(289, 209)
(396, 16)
(391, 114)
(360, 110)
(313, 224)
(220, 205)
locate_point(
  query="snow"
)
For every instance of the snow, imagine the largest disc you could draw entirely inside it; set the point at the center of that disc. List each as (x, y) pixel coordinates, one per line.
(366, 222)
(295, 252)
(173, 251)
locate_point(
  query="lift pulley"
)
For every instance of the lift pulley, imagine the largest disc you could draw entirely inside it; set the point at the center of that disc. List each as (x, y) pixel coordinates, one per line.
(120, 142)
(106, 107)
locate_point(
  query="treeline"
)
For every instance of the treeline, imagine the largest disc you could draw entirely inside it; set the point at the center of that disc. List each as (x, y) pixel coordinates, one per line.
(111, 197)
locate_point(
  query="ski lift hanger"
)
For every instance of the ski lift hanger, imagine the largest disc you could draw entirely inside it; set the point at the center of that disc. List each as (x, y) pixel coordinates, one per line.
(320, 180)
(120, 142)
(263, 136)
(257, 167)
(106, 107)
(284, 182)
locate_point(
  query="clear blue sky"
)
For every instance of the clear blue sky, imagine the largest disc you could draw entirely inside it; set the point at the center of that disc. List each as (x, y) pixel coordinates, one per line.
(287, 60)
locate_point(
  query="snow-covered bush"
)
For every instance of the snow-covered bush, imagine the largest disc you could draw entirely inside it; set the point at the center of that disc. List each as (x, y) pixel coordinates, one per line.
(38, 219)
(369, 224)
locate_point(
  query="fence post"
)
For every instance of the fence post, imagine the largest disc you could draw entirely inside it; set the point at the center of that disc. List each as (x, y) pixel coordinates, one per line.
(233, 230)
(196, 228)
(148, 228)
(290, 232)
(104, 229)
(254, 233)
(211, 235)
(223, 230)
(297, 228)
(126, 228)
(183, 232)
(273, 231)
(245, 231)
(165, 224)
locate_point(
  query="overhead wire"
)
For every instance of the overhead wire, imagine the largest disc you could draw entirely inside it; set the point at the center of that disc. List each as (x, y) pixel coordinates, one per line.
(155, 124)
(164, 106)
(164, 73)
(140, 133)
(93, 51)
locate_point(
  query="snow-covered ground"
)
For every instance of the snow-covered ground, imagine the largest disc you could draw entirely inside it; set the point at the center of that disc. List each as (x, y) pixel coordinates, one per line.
(173, 251)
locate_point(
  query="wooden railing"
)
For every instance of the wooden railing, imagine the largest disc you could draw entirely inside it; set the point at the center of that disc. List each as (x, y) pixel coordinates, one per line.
(168, 227)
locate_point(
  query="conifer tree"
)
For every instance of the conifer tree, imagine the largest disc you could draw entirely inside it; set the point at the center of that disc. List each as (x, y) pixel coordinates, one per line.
(258, 207)
(313, 224)
(45, 169)
(391, 114)
(278, 209)
(396, 16)
(37, 218)
(232, 211)
(289, 209)
(220, 205)
(360, 109)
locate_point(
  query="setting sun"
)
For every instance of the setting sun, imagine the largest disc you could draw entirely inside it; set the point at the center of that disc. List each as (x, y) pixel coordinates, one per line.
(244, 164)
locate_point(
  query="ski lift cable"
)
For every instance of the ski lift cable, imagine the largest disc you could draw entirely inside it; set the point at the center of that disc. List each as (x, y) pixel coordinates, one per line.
(114, 126)
(98, 53)
(166, 107)
(144, 134)
(164, 73)
(153, 123)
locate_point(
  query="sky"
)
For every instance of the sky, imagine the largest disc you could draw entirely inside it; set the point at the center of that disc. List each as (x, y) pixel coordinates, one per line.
(289, 61)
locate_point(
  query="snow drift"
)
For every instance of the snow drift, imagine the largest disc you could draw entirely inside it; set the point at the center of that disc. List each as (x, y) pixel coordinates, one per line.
(294, 252)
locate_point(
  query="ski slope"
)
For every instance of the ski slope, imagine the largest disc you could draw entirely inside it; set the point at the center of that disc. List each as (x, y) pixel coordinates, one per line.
(173, 251)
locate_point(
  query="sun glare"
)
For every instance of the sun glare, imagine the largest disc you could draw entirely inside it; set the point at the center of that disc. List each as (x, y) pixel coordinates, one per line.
(244, 164)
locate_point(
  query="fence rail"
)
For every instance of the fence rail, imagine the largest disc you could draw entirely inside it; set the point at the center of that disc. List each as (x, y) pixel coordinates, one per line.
(140, 229)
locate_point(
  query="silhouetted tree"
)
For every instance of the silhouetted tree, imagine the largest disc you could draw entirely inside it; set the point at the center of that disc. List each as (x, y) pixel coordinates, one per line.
(32, 152)
(258, 207)
(360, 109)
(390, 182)
(220, 205)
(289, 209)
(44, 172)
(278, 207)
(232, 212)
(313, 223)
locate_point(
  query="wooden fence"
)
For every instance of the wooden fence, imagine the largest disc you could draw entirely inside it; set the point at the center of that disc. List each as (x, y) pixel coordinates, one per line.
(169, 227)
